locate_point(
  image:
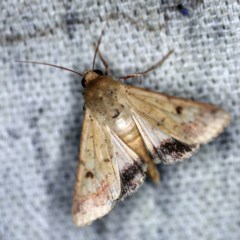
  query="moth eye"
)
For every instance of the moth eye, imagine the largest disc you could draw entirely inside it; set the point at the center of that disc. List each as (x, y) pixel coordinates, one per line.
(84, 82)
(99, 72)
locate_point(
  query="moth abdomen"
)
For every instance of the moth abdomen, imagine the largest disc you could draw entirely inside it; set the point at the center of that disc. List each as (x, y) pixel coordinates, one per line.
(125, 127)
(128, 132)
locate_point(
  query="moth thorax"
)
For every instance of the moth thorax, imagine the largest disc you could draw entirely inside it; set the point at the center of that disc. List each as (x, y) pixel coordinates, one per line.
(90, 75)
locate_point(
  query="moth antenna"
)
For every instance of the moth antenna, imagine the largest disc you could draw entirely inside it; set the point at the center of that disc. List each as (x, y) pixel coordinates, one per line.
(158, 64)
(97, 46)
(52, 65)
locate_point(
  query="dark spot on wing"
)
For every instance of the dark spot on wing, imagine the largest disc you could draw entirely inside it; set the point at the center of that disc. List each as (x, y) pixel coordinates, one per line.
(132, 176)
(106, 160)
(169, 147)
(89, 174)
(179, 109)
(172, 150)
(115, 113)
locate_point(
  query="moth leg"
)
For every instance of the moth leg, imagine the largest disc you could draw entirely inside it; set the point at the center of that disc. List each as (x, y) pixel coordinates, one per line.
(105, 63)
(158, 64)
(152, 170)
(97, 46)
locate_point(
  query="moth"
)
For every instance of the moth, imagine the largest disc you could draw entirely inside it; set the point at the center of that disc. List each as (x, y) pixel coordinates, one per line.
(126, 131)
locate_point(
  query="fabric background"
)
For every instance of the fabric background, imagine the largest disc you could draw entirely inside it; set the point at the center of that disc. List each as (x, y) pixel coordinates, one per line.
(41, 115)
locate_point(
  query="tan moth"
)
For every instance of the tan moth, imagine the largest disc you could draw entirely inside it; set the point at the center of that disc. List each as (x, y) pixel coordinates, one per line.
(126, 130)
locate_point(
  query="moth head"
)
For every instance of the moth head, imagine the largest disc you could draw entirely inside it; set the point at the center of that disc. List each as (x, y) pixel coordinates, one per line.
(90, 75)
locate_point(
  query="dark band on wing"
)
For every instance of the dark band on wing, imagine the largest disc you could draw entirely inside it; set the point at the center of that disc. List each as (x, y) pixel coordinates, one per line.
(132, 177)
(171, 150)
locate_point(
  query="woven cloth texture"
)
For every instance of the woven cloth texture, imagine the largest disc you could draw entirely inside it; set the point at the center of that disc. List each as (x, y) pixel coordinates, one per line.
(41, 111)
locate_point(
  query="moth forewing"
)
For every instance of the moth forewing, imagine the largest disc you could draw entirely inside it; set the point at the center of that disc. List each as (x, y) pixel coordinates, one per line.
(187, 121)
(98, 183)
